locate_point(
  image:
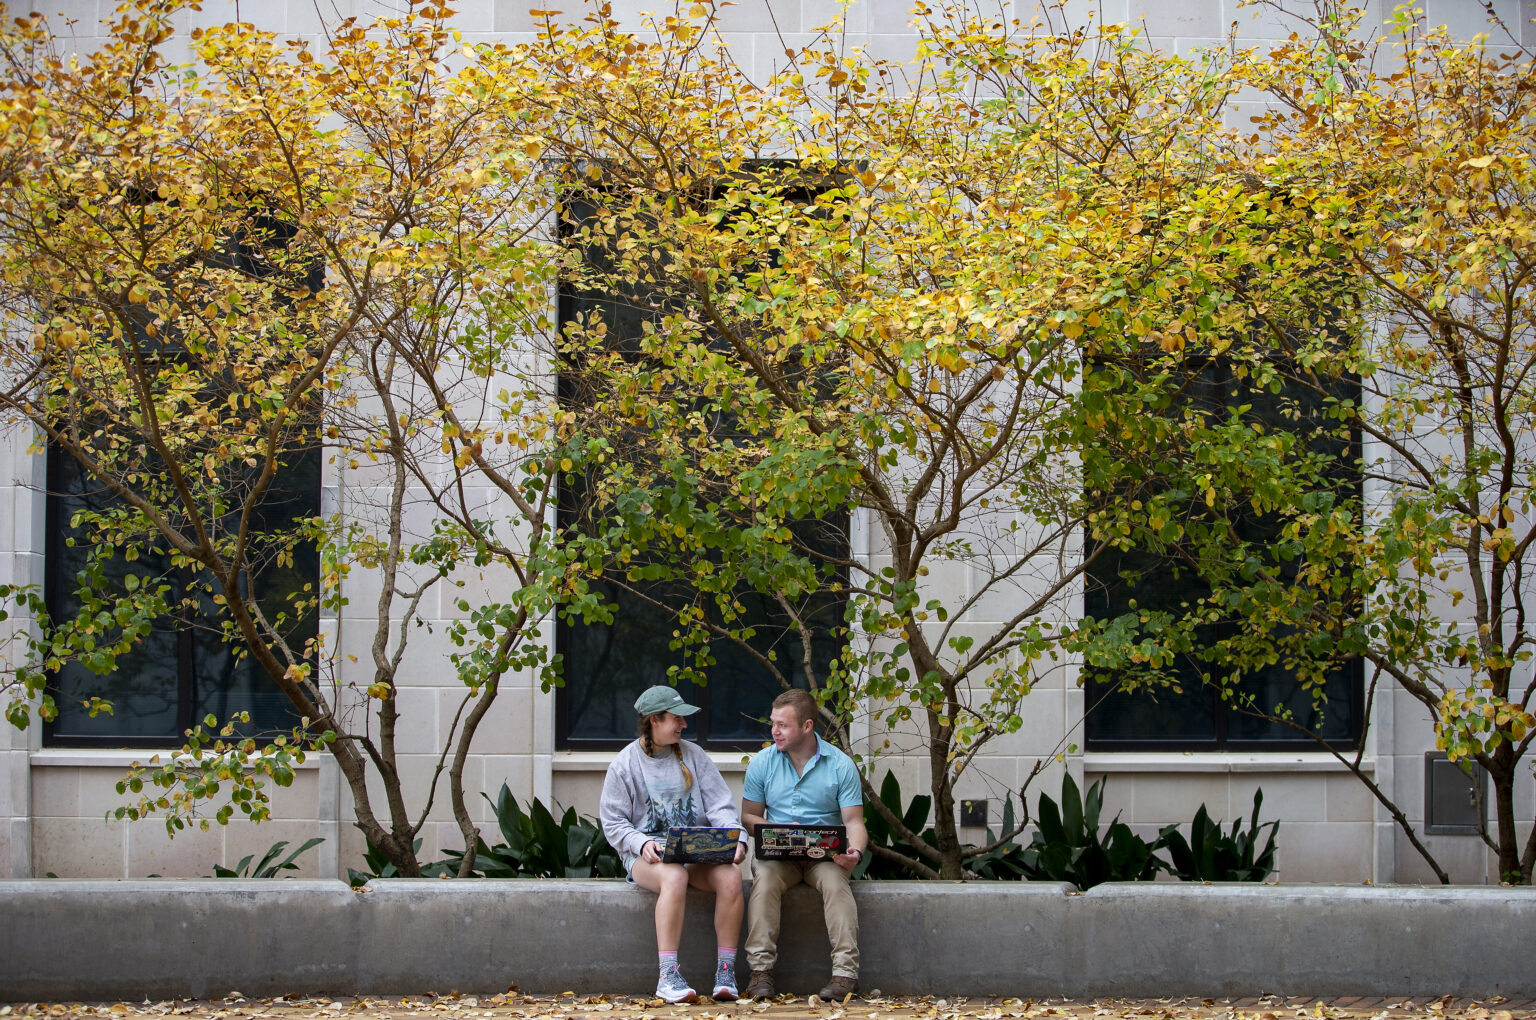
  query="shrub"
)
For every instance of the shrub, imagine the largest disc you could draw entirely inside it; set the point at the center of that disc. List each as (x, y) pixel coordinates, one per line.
(379, 866)
(1001, 863)
(1067, 846)
(539, 846)
(269, 865)
(914, 816)
(1210, 855)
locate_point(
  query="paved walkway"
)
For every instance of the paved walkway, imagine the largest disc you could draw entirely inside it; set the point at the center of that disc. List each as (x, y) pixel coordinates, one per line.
(513, 1006)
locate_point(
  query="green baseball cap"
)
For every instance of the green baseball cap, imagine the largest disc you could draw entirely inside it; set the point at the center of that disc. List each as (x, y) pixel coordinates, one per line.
(662, 698)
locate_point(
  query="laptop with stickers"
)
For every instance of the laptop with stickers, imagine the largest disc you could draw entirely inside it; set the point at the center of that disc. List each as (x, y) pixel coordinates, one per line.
(773, 842)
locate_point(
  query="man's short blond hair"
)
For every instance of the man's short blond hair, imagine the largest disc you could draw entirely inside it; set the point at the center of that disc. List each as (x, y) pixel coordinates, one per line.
(801, 701)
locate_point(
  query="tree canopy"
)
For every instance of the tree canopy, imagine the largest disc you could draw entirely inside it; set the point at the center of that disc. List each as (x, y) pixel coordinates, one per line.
(913, 352)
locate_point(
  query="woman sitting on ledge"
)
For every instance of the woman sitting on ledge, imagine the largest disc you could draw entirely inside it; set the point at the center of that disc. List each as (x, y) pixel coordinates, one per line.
(658, 781)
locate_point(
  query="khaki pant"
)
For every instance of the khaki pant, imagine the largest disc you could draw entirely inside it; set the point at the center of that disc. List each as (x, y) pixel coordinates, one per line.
(770, 879)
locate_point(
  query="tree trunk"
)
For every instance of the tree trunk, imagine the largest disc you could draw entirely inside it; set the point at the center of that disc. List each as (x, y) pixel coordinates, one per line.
(941, 784)
(398, 844)
(1501, 774)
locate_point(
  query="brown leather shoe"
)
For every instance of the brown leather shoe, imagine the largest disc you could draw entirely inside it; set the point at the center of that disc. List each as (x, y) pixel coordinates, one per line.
(760, 986)
(839, 988)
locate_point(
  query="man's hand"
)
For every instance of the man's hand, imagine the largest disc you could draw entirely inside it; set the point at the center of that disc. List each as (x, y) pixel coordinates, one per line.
(858, 838)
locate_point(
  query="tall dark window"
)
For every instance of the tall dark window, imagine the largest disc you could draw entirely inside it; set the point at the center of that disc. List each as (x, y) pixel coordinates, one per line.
(186, 669)
(608, 665)
(1188, 714)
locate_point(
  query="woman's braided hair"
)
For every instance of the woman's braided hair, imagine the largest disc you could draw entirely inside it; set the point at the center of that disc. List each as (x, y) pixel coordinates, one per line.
(677, 748)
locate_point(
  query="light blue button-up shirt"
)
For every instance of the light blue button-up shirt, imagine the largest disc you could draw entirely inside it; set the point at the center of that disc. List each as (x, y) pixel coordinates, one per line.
(817, 796)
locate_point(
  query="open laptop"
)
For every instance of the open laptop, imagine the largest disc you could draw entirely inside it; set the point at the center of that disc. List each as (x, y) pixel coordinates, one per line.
(701, 844)
(773, 842)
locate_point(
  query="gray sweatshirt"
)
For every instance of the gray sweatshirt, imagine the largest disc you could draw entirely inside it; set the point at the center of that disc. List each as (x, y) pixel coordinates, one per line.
(643, 795)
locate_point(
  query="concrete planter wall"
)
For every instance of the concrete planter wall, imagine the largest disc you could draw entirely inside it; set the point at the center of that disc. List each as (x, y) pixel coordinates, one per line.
(87, 939)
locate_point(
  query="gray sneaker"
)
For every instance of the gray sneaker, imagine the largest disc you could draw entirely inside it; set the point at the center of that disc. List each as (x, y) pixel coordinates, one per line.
(725, 982)
(671, 987)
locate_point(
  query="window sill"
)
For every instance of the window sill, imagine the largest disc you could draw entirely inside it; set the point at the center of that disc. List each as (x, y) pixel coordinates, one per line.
(116, 757)
(598, 761)
(1216, 761)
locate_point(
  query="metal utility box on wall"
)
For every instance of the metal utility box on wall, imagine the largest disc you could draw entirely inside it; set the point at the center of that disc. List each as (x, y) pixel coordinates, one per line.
(1453, 799)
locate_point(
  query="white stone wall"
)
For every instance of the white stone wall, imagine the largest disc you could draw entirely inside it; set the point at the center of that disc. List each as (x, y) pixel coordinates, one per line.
(52, 801)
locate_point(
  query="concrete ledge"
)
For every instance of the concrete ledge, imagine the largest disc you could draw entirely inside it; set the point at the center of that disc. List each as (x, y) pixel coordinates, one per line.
(64, 939)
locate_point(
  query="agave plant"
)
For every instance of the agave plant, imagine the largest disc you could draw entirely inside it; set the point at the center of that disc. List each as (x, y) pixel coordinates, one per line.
(269, 865)
(1068, 847)
(1210, 855)
(539, 846)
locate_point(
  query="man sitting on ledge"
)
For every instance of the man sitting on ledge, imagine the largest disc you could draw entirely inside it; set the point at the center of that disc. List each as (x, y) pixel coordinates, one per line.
(803, 780)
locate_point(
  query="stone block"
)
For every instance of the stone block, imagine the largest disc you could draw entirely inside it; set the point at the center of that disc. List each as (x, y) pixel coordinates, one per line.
(15, 848)
(475, 15)
(580, 790)
(1043, 715)
(769, 17)
(1324, 852)
(479, 586)
(516, 770)
(1119, 795)
(55, 792)
(998, 596)
(98, 794)
(299, 801)
(15, 784)
(190, 853)
(78, 847)
(506, 728)
(311, 18)
(14, 740)
(1300, 797)
(350, 849)
(27, 532)
(1174, 797)
(1348, 799)
(1315, 941)
(1182, 19)
(860, 16)
(154, 938)
(1464, 858)
(1076, 13)
(416, 730)
(631, 14)
(1412, 724)
(1466, 20)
